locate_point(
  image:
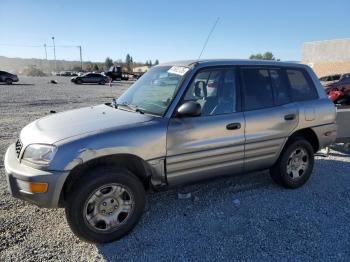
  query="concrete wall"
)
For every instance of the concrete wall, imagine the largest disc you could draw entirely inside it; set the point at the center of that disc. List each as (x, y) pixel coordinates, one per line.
(327, 57)
(324, 51)
(330, 68)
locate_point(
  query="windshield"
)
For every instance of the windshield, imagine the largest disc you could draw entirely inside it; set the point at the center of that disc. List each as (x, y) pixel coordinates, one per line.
(155, 90)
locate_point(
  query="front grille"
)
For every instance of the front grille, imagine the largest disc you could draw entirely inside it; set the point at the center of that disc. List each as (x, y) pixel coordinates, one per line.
(18, 147)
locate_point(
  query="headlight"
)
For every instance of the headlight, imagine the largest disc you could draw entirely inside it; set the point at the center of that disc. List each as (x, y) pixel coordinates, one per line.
(39, 154)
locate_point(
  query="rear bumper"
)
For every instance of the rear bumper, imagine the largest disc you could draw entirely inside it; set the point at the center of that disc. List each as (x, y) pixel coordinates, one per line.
(18, 175)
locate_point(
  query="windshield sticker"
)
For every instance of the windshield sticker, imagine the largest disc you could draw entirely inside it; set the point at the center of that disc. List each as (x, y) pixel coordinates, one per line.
(178, 70)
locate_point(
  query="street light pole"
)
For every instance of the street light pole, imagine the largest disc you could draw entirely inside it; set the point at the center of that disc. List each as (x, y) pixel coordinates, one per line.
(45, 51)
(81, 58)
(54, 51)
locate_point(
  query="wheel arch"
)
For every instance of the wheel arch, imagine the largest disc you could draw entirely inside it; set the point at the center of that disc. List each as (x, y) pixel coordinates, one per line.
(133, 163)
(308, 134)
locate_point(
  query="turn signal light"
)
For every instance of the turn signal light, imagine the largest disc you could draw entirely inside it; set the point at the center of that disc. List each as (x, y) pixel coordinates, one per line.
(38, 187)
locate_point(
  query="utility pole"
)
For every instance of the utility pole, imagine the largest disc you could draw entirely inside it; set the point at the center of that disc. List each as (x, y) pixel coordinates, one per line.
(54, 52)
(45, 51)
(81, 58)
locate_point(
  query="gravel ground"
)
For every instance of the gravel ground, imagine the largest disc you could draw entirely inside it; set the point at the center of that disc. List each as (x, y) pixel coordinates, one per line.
(245, 217)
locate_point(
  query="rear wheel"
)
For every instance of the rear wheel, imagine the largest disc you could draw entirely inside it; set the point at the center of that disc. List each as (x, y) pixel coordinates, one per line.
(102, 82)
(295, 164)
(8, 81)
(105, 205)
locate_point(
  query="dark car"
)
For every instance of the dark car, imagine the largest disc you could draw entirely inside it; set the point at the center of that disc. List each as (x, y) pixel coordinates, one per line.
(331, 79)
(8, 78)
(339, 91)
(91, 78)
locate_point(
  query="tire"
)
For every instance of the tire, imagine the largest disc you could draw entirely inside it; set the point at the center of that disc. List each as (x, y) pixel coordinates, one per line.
(84, 205)
(102, 82)
(8, 81)
(291, 174)
(78, 81)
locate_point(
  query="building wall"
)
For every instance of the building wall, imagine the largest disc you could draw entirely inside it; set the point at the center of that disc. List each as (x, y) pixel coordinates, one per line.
(327, 57)
(330, 68)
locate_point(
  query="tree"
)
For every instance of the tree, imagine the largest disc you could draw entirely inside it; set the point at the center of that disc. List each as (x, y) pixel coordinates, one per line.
(108, 63)
(265, 56)
(150, 62)
(33, 71)
(128, 62)
(76, 68)
(95, 67)
(88, 66)
(156, 62)
(118, 62)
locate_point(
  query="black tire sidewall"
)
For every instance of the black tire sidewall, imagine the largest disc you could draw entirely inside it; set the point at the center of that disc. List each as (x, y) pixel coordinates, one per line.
(83, 188)
(281, 169)
(8, 81)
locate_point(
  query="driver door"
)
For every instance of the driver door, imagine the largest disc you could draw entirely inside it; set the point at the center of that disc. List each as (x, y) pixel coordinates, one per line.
(211, 144)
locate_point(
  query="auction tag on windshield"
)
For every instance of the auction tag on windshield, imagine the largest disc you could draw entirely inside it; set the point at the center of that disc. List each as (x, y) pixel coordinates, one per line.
(178, 70)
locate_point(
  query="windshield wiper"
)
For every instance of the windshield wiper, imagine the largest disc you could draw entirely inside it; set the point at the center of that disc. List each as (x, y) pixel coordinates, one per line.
(129, 107)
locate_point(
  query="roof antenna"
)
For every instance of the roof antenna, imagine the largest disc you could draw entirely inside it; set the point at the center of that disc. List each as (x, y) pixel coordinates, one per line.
(211, 31)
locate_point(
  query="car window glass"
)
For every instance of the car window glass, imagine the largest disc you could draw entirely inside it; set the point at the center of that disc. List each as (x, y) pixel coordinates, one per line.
(280, 87)
(301, 89)
(335, 77)
(257, 89)
(215, 91)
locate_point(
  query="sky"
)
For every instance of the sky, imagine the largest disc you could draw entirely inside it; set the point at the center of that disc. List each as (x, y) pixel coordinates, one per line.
(168, 30)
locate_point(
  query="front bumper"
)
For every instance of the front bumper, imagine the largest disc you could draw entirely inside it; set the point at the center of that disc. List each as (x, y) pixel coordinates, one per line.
(18, 174)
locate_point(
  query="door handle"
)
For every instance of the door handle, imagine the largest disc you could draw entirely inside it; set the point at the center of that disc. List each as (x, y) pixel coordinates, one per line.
(233, 126)
(289, 117)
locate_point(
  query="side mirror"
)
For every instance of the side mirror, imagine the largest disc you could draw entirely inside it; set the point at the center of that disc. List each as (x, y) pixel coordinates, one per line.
(190, 108)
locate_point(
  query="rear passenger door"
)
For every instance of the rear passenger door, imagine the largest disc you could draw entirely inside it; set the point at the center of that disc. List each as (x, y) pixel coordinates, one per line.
(269, 114)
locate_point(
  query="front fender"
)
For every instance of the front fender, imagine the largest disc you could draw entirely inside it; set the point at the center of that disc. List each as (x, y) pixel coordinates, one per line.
(146, 141)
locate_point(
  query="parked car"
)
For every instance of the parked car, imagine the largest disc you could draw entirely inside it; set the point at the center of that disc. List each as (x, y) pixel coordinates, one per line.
(325, 80)
(67, 73)
(98, 162)
(339, 92)
(91, 78)
(8, 78)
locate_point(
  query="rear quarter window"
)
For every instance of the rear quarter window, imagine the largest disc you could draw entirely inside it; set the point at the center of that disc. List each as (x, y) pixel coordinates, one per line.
(301, 86)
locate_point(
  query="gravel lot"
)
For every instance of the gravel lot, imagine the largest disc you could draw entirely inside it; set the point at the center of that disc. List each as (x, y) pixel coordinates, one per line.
(245, 217)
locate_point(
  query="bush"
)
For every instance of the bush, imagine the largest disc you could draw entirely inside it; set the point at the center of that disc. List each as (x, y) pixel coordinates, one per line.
(33, 71)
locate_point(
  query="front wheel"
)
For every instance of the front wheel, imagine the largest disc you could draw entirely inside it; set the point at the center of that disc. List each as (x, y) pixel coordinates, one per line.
(295, 164)
(105, 205)
(102, 82)
(9, 81)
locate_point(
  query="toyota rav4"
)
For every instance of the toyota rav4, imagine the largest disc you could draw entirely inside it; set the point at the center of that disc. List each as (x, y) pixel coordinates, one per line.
(180, 122)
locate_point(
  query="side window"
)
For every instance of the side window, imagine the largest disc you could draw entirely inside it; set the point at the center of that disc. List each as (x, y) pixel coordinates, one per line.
(302, 88)
(280, 87)
(215, 91)
(257, 88)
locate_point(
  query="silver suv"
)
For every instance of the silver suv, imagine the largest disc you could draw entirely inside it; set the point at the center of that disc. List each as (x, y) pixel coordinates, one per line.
(180, 122)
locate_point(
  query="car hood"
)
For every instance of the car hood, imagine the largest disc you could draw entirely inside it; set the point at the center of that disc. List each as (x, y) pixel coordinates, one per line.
(60, 126)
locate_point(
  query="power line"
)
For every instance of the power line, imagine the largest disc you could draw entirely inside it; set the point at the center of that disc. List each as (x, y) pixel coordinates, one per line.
(40, 46)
